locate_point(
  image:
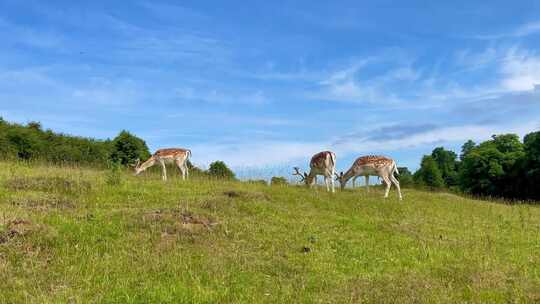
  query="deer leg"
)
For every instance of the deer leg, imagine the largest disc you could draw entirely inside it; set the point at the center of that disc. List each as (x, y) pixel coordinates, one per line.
(163, 170)
(366, 177)
(388, 185)
(327, 183)
(354, 181)
(332, 182)
(396, 183)
(181, 167)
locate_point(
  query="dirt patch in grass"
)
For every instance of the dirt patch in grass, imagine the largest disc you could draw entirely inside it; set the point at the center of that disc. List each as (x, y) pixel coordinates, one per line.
(406, 288)
(174, 225)
(187, 220)
(48, 184)
(17, 228)
(44, 203)
(246, 195)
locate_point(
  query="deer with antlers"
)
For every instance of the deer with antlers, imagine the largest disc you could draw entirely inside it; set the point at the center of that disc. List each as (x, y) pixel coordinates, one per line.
(380, 166)
(322, 163)
(177, 156)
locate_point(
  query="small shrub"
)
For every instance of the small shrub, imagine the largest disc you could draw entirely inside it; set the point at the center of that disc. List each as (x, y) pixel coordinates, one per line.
(220, 170)
(278, 181)
(257, 182)
(114, 174)
(48, 184)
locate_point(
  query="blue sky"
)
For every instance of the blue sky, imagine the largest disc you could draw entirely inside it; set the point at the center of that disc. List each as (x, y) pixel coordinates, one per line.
(263, 85)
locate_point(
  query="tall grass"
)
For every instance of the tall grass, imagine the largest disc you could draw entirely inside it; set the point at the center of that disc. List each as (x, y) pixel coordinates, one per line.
(69, 235)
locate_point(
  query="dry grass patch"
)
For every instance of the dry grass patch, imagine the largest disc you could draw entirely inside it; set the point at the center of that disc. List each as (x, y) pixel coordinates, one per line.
(185, 218)
(17, 231)
(175, 225)
(48, 184)
(43, 203)
(245, 195)
(407, 287)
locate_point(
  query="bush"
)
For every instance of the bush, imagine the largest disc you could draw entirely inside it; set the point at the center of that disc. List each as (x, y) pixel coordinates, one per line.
(405, 177)
(127, 148)
(429, 174)
(278, 181)
(446, 162)
(30, 142)
(493, 168)
(114, 174)
(219, 169)
(257, 182)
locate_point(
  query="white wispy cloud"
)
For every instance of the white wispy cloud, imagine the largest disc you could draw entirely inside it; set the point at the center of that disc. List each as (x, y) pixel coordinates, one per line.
(522, 30)
(520, 70)
(220, 97)
(346, 85)
(283, 153)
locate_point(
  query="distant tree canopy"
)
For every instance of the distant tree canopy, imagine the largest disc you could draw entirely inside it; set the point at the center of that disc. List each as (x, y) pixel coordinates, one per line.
(530, 166)
(429, 173)
(31, 142)
(446, 162)
(466, 148)
(220, 170)
(127, 148)
(493, 167)
(405, 177)
(501, 167)
(278, 181)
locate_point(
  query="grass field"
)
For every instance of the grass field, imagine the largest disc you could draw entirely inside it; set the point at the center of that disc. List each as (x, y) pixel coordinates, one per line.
(68, 236)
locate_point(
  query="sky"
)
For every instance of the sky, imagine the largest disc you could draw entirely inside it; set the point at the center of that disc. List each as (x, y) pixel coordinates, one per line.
(263, 85)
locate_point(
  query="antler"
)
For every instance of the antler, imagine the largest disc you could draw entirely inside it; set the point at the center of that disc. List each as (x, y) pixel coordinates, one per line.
(297, 172)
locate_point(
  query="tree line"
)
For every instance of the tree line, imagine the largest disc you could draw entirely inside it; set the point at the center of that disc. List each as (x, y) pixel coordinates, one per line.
(32, 142)
(503, 166)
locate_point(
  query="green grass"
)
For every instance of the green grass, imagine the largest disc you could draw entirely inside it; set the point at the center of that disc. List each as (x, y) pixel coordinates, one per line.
(68, 235)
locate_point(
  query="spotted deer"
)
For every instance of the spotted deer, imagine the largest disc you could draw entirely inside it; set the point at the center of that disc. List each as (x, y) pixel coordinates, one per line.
(380, 166)
(177, 156)
(322, 163)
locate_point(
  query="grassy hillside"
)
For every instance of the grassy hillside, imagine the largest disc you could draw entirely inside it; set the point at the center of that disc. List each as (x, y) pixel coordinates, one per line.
(68, 236)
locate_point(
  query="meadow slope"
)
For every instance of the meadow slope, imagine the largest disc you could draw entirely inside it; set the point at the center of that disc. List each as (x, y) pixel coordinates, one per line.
(68, 236)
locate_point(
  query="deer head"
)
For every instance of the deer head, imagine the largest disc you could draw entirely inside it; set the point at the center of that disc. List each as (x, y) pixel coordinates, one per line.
(303, 176)
(341, 179)
(137, 166)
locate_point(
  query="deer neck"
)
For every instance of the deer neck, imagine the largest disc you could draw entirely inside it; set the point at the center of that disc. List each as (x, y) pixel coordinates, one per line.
(348, 175)
(147, 164)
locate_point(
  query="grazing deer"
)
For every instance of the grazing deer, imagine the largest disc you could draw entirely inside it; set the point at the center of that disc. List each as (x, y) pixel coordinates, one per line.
(380, 166)
(163, 156)
(322, 163)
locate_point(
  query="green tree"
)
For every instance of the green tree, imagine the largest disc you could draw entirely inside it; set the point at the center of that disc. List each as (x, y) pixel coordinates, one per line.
(530, 171)
(278, 181)
(25, 142)
(446, 161)
(466, 148)
(195, 171)
(429, 174)
(127, 148)
(493, 167)
(220, 170)
(405, 177)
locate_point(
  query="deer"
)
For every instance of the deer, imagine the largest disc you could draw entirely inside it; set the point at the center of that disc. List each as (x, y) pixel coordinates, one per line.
(322, 163)
(380, 166)
(178, 156)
